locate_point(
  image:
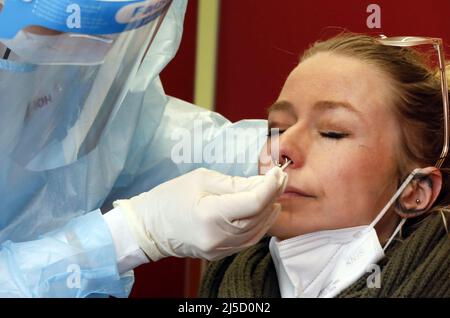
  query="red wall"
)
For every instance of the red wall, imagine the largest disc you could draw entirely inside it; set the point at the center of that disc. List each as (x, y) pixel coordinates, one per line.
(260, 42)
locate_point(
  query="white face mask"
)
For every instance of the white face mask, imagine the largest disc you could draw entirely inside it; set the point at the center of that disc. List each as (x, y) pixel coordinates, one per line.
(322, 264)
(64, 48)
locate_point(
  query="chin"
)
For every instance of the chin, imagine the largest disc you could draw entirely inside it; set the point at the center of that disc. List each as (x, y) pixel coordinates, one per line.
(289, 225)
(283, 231)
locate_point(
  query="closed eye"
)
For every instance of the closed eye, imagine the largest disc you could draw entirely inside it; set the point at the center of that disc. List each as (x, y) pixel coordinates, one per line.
(333, 134)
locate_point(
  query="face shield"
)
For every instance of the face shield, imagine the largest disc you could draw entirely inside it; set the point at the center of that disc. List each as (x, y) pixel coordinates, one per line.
(65, 68)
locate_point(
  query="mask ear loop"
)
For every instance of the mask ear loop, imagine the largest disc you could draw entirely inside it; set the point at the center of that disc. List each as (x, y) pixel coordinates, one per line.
(444, 220)
(394, 197)
(389, 204)
(397, 229)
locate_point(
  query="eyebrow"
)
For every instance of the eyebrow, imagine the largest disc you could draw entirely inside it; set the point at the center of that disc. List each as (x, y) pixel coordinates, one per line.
(318, 106)
(329, 105)
(281, 106)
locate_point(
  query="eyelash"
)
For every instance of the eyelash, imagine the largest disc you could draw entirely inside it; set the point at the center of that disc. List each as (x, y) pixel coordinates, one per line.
(327, 134)
(334, 135)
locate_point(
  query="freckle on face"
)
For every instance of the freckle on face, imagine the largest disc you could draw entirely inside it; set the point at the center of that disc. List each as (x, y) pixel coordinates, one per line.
(354, 177)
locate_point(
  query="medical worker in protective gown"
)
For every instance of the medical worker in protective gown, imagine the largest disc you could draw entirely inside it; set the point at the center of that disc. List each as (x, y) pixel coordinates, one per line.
(86, 125)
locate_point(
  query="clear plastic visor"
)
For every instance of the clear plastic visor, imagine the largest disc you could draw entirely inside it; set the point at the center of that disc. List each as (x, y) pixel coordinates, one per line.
(59, 91)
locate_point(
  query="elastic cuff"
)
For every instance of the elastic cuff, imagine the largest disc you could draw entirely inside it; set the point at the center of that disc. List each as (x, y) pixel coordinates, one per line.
(128, 253)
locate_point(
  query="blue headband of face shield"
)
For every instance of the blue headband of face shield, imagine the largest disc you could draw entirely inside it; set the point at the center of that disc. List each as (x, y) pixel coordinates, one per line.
(92, 17)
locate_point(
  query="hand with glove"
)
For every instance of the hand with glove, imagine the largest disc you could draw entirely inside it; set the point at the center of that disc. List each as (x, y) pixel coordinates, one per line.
(204, 214)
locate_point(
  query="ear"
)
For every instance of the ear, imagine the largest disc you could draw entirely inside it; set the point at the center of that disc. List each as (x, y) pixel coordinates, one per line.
(421, 193)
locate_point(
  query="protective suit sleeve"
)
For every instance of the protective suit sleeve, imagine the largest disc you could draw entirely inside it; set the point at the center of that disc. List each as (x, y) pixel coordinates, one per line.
(79, 260)
(198, 138)
(187, 138)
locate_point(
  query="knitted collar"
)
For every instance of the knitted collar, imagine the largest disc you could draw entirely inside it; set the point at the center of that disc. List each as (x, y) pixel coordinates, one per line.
(419, 266)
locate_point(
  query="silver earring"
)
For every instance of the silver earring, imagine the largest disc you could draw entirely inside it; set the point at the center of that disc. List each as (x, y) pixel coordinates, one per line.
(417, 201)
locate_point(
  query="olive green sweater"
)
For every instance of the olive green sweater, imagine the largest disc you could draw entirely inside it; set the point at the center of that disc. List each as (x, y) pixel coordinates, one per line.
(418, 266)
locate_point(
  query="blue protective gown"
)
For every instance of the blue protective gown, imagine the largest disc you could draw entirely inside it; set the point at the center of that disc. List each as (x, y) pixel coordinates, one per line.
(54, 241)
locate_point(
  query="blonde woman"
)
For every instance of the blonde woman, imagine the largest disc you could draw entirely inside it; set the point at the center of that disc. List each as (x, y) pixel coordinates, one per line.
(363, 213)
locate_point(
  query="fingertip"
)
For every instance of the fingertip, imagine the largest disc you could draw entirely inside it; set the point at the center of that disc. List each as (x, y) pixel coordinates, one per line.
(280, 176)
(275, 171)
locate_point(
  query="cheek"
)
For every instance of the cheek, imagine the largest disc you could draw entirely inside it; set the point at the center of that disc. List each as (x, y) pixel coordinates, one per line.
(361, 179)
(363, 164)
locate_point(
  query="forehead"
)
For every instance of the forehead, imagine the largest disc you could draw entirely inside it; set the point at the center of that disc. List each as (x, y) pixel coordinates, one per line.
(328, 76)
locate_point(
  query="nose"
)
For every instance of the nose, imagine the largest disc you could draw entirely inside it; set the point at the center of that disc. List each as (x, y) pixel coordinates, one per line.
(292, 148)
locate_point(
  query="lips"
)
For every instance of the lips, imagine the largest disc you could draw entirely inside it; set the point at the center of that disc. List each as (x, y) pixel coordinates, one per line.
(293, 192)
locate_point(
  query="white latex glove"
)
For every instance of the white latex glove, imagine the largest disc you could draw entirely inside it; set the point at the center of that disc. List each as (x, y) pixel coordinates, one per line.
(204, 214)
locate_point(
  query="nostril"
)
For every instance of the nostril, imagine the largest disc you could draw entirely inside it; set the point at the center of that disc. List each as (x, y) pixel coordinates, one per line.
(292, 152)
(284, 161)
